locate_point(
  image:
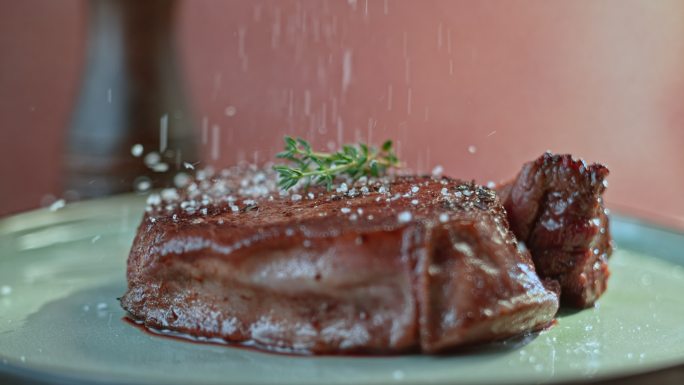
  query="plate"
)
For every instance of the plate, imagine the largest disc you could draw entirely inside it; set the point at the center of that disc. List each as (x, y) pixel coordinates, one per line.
(60, 322)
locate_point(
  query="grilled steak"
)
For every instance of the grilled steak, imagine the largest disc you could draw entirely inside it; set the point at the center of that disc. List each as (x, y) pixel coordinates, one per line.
(555, 206)
(390, 265)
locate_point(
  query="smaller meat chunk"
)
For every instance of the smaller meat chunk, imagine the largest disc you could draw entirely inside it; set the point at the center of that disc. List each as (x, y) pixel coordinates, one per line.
(555, 207)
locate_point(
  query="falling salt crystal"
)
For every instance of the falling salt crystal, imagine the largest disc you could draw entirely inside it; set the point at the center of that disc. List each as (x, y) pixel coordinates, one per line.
(491, 184)
(142, 183)
(137, 150)
(443, 217)
(188, 166)
(472, 149)
(398, 375)
(181, 179)
(95, 238)
(163, 133)
(160, 167)
(152, 158)
(231, 111)
(5, 290)
(101, 306)
(404, 217)
(437, 171)
(56, 205)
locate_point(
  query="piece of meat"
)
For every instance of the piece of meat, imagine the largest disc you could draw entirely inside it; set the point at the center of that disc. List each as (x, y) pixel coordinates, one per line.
(555, 207)
(387, 266)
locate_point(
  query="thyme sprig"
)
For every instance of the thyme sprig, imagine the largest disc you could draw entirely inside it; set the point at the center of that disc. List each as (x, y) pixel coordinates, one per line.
(321, 168)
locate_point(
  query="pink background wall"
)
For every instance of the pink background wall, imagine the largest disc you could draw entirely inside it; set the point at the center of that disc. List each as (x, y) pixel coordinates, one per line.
(600, 79)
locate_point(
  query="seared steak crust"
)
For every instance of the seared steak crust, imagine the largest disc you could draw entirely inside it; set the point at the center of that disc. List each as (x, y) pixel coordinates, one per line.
(394, 265)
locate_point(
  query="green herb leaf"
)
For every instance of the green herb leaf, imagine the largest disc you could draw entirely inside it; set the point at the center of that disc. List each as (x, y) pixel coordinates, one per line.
(322, 168)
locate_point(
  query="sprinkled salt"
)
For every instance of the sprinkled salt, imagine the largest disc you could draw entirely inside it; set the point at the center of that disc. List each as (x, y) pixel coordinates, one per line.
(181, 180)
(434, 269)
(142, 184)
(353, 217)
(414, 189)
(438, 170)
(491, 184)
(414, 201)
(234, 208)
(310, 195)
(137, 150)
(188, 166)
(345, 210)
(445, 191)
(443, 217)
(343, 188)
(160, 167)
(307, 243)
(152, 158)
(296, 197)
(153, 199)
(231, 111)
(56, 205)
(169, 194)
(404, 216)
(382, 190)
(5, 290)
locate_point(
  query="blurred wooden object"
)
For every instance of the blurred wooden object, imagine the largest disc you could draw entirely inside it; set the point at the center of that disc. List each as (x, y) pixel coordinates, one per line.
(130, 84)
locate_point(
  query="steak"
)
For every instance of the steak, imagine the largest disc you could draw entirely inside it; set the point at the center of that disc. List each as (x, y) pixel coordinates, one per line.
(555, 207)
(391, 265)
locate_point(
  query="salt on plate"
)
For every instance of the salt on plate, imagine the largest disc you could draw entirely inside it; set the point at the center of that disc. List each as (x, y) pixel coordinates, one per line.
(58, 204)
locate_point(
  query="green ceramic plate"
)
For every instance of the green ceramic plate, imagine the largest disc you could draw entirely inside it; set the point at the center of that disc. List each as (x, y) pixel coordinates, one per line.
(60, 321)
